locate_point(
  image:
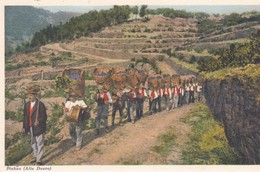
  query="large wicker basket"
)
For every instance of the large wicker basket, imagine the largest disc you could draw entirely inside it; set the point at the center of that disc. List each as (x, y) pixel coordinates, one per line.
(119, 70)
(176, 80)
(152, 82)
(75, 82)
(101, 75)
(160, 81)
(118, 80)
(141, 76)
(131, 78)
(167, 79)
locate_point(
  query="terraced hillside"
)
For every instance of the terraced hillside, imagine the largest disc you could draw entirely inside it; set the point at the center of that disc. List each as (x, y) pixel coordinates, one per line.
(159, 39)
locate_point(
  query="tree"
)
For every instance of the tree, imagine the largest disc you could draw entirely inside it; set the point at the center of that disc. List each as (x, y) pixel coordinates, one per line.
(135, 10)
(143, 10)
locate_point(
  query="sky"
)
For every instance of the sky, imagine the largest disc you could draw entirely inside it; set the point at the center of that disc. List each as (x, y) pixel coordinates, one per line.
(220, 9)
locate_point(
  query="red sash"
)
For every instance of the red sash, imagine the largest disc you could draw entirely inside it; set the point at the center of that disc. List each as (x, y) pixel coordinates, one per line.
(152, 94)
(105, 96)
(30, 113)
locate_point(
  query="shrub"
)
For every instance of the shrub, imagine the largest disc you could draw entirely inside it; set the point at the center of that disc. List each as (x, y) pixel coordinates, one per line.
(19, 151)
(208, 143)
(166, 142)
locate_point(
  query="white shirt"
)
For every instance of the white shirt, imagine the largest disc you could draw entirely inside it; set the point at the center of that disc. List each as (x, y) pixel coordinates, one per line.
(108, 95)
(199, 88)
(70, 104)
(32, 104)
(158, 91)
(169, 90)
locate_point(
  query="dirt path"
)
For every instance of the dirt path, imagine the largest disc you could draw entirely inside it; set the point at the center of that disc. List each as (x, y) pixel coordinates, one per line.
(122, 143)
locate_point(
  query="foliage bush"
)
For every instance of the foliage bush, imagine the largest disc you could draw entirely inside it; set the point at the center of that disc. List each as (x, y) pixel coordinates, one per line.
(19, 151)
(238, 55)
(166, 142)
(208, 143)
(15, 116)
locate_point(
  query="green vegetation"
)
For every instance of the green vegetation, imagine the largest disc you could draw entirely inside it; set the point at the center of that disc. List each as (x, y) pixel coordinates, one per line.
(54, 125)
(18, 151)
(54, 61)
(145, 60)
(130, 162)
(238, 55)
(252, 70)
(208, 143)
(206, 26)
(93, 21)
(15, 116)
(54, 93)
(166, 142)
(192, 67)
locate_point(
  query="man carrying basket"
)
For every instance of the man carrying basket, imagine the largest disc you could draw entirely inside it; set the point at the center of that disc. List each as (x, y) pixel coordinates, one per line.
(75, 111)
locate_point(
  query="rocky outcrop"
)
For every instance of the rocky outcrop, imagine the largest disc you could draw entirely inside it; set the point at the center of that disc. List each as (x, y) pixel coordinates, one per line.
(235, 101)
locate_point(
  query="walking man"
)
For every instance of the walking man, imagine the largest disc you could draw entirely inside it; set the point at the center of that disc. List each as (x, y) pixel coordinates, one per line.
(103, 100)
(153, 99)
(175, 94)
(76, 128)
(117, 105)
(140, 97)
(34, 122)
(160, 95)
(167, 94)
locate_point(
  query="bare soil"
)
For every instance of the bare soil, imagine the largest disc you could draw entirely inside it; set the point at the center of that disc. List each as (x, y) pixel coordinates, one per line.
(123, 143)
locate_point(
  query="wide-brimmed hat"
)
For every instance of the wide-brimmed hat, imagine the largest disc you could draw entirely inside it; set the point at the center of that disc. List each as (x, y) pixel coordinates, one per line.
(72, 94)
(32, 90)
(100, 87)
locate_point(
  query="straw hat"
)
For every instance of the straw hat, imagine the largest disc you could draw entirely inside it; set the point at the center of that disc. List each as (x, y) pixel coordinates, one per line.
(32, 90)
(72, 94)
(100, 87)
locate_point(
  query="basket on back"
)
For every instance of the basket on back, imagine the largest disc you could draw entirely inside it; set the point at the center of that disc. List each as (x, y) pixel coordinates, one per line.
(75, 81)
(160, 81)
(118, 80)
(152, 82)
(101, 75)
(119, 70)
(141, 76)
(131, 80)
(166, 80)
(176, 80)
(187, 78)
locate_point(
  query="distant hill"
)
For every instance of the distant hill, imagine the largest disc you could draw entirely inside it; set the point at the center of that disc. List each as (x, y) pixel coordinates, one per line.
(21, 22)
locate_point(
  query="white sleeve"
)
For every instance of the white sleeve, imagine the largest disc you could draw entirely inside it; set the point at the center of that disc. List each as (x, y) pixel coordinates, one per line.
(82, 104)
(109, 97)
(145, 94)
(67, 105)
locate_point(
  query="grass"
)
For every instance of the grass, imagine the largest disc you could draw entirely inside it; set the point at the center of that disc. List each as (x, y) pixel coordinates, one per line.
(208, 143)
(165, 143)
(53, 125)
(252, 70)
(240, 41)
(19, 151)
(192, 67)
(15, 116)
(130, 162)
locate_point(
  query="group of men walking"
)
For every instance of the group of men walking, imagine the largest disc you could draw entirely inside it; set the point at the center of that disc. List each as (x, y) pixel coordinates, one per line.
(129, 100)
(133, 100)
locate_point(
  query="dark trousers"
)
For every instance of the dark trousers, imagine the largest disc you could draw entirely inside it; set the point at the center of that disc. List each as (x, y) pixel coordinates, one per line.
(159, 103)
(191, 97)
(117, 106)
(180, 100)
(153, 105)
(139, 108)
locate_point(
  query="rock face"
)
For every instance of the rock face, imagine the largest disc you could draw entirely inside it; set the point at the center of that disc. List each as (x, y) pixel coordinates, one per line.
(235, 101)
